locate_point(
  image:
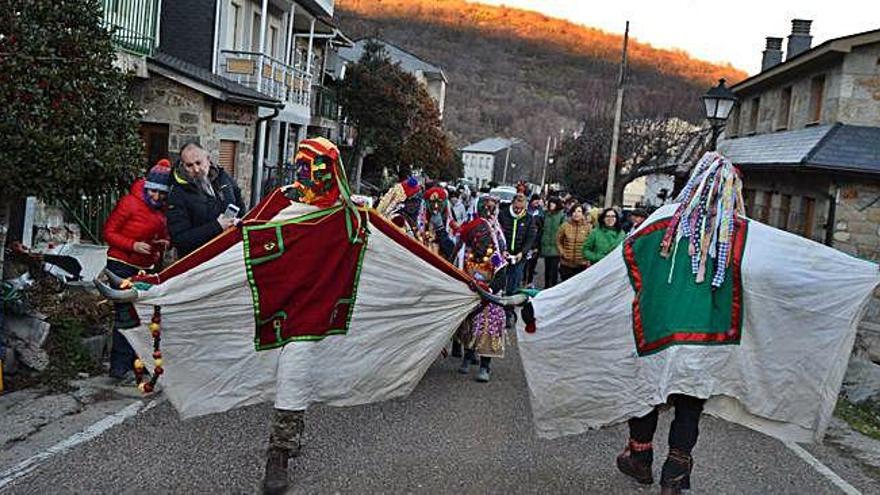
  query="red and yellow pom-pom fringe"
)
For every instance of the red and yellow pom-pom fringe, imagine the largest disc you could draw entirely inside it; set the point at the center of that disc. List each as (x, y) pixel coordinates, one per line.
(156, 331)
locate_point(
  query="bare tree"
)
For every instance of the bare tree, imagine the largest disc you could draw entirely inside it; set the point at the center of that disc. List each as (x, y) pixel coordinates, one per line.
(647, 146)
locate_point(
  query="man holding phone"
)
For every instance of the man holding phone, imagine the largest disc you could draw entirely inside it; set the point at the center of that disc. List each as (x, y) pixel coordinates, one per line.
(204, 200)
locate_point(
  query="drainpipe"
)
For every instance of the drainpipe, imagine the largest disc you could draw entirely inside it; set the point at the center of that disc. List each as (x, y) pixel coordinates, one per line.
(257, 176)
(263, 21)
(215, 50)
(830, 224)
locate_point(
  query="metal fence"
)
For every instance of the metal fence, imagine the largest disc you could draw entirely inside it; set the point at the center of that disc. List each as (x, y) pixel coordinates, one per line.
(133, 24)
(90, 213)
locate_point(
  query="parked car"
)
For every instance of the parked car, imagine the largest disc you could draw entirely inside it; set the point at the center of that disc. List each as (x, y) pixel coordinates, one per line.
(504, 193)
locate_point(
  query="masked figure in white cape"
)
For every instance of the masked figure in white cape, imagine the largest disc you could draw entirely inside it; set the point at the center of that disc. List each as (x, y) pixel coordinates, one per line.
(303, 303)
(700, 306)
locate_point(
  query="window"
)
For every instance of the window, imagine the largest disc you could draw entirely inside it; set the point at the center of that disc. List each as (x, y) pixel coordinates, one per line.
(233, 27)
(817, 95)
(784, 114)
(753, 115)
(761, 209)
(749, 199)
(803, 217)
(779, 216)
(255, 33)
(273, 42)
(228, 153)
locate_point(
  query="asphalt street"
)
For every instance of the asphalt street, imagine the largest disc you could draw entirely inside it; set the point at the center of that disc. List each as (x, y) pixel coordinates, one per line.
(452, 435)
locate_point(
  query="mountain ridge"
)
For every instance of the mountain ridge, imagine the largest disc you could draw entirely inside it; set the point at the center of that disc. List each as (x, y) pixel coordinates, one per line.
(521, 73)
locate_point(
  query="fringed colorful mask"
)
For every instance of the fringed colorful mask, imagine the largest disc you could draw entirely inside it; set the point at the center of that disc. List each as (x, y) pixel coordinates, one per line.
(316, 161)
(436, 198)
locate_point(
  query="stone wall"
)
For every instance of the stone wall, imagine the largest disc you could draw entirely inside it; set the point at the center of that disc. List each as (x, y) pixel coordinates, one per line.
(194, 116)
(857, 228)
(860, 87)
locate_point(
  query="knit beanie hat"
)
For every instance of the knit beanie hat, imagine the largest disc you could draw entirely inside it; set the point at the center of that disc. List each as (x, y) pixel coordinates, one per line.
(159, 177)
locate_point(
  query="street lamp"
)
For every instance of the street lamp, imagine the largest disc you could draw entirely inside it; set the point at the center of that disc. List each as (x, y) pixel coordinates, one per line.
(719, 102)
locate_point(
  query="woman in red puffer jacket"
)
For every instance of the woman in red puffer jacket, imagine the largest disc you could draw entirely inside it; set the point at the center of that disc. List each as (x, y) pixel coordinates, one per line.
(137, 235)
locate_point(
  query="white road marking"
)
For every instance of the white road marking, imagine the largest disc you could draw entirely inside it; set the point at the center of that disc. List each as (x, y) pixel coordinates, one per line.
(26, 466)
(822, 469)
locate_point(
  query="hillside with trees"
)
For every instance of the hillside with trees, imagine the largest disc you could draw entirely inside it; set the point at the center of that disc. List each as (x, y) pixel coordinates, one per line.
(518, 73)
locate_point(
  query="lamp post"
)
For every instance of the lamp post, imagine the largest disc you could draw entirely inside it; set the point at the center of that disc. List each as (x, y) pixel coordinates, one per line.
(719, 101)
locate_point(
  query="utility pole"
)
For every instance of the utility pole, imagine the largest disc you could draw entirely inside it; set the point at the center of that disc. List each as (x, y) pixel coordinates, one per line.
(618, 109)
(546, 160)
(506, 161)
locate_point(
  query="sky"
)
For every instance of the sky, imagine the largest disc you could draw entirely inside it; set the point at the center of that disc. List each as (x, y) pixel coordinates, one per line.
(709, 29)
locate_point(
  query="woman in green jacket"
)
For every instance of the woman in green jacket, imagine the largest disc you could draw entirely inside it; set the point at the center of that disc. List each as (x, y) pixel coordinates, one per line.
(605, 237)
(552, 220)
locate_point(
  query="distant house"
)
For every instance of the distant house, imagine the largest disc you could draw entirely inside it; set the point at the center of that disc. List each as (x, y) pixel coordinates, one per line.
(429, 75)
(806, 135)
(497, 159)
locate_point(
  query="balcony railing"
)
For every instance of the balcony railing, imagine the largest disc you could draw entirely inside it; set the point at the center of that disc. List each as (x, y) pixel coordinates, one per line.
(267, 75)
(133, 24)
(326, 103)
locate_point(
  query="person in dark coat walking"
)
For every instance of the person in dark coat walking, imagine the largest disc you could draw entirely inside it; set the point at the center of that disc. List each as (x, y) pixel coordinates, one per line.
(200, 195)
(519, 232)
(536, 211)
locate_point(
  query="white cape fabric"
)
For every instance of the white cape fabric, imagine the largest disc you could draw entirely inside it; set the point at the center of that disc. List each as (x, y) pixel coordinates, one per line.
(802, 303)
(405, 313)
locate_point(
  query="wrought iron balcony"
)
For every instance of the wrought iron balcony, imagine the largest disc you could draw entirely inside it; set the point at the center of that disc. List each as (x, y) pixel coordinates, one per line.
(133, 24)
(267, 75)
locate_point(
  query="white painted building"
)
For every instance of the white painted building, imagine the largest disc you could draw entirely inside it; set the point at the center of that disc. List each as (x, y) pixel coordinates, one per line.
(478, 167)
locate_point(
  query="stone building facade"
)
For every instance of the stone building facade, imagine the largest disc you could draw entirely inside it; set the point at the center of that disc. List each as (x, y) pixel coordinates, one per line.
(181, 102)
(806, 135)
(193, 116)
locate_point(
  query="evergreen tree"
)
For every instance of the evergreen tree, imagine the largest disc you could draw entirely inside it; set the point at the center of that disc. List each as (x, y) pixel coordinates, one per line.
(68, 127)
(396, 118)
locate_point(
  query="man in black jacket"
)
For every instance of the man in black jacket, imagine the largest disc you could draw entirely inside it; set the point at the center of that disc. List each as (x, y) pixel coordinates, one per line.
(519, 232)
(200, 195)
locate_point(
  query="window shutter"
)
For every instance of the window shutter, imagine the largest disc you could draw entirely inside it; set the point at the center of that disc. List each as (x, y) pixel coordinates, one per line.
(227, 156)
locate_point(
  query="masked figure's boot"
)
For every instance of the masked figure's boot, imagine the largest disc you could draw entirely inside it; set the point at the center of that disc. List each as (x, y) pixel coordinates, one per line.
(676, 475)
(636, 460)
(275, 479)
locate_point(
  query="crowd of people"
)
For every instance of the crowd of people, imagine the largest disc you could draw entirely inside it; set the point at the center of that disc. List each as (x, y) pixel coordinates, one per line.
(499, 244)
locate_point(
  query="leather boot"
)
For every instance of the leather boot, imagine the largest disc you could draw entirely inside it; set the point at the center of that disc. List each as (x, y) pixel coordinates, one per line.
(275, 479)
(636, 461)
(676, 475)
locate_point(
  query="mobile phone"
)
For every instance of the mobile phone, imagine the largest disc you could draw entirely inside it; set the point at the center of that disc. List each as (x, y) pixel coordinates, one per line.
(231, 211)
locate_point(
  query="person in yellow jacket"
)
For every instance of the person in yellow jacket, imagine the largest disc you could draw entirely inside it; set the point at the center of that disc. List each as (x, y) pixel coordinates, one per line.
(570, 241)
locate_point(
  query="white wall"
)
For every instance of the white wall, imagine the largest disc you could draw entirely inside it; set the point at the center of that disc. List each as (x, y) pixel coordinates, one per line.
(478, 167)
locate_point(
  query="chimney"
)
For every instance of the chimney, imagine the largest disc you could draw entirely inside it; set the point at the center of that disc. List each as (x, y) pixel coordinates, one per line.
(799, 40)
(772, 54)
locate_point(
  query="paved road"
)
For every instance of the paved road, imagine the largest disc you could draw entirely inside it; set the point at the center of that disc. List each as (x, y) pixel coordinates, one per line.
(452, 435)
